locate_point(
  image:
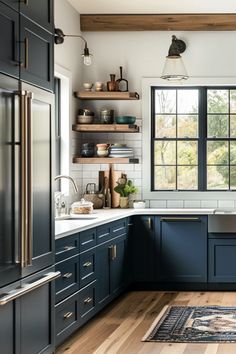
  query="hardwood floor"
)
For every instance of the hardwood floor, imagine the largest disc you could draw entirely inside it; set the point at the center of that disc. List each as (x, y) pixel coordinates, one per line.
(119, 328)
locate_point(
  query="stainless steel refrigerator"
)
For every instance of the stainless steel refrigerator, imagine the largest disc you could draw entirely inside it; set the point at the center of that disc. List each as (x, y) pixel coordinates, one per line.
(26, 218)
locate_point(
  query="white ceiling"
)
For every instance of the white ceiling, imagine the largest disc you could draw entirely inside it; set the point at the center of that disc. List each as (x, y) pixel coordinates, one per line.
(153, 6)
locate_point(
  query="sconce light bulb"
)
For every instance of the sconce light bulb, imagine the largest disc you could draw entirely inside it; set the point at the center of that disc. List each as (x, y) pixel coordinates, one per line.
(87, 59)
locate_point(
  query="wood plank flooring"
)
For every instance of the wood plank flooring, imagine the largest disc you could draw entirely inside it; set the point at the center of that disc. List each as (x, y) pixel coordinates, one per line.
(119, 328)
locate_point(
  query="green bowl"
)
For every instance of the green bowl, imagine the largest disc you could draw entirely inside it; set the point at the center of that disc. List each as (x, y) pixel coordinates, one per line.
(125, 120)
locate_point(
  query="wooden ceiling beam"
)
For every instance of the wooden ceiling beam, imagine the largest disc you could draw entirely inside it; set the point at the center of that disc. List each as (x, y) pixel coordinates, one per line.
(162, 22)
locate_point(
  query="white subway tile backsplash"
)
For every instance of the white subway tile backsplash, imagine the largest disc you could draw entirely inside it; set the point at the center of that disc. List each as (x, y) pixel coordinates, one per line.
(192, 204)
(209, 204)
(158, 204)
(225, 203)
(175, 203)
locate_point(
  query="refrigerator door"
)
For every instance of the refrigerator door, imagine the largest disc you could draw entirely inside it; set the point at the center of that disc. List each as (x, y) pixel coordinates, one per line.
(9, 181)
(37, 183)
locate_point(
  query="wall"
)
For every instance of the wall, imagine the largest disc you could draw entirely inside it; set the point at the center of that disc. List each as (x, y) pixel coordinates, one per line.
(142, 54)
(68, 62)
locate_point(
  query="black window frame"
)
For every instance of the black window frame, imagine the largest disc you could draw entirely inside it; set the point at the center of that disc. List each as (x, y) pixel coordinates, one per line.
(202, 138)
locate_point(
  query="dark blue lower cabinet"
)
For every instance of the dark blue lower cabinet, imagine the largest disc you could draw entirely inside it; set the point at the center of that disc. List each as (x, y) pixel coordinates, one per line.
(182, 244)
(7, 328)
(222, 260)
(111, 269)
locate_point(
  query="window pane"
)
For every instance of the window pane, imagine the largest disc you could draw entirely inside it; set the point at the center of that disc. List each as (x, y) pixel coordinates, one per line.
(191, 182)
(217, 126)
(233, 177)
(217, 177)
(217, 153)
(165, 152)
(188, 126)
(165, 101)
(233, 126)
(165, 126)
(165, 177)
(217, 101)
(233, 152)
(187, 152)
(187, 101)
(233, 101)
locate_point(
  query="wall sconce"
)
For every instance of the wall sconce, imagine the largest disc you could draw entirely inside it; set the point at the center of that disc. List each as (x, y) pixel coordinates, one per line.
(59, 39)
(174, 68)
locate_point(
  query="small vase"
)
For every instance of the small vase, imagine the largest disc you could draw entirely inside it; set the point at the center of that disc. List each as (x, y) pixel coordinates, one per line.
(124, 202)
(112, 85)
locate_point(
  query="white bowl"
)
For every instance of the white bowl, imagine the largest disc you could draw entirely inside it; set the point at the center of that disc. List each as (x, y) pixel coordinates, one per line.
(87, 86)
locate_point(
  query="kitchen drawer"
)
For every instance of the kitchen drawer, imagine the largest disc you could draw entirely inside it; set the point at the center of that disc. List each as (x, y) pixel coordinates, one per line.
(119, 228)
(87, 302)
(87, 239)
(67, 247)
(66, 320)
(68, 283)
(104, 233)
(87, 267)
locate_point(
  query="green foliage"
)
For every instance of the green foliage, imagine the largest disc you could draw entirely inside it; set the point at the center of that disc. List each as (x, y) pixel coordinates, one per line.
(126, 189)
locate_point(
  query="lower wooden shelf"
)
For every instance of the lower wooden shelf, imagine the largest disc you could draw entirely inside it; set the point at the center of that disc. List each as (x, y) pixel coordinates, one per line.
(109, 160)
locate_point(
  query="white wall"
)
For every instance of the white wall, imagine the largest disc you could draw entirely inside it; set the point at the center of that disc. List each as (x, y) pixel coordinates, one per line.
(142, 54)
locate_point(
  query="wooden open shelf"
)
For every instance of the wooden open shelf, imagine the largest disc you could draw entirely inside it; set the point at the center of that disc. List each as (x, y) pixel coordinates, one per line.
(102, 160)
(105, 128)
(92, 95)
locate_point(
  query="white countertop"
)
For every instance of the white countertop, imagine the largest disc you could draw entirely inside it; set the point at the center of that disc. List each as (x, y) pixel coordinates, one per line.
(99, 217)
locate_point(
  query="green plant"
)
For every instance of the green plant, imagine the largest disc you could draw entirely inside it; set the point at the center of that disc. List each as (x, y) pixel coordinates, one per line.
(126, 189)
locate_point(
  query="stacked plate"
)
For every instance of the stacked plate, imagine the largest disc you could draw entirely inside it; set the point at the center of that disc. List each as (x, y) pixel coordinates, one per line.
(121, 151)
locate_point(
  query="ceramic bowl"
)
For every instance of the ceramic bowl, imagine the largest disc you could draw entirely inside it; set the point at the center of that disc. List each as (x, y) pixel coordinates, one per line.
(87, 86)
(125, 120)
(85, 119)
(87, 152)
(102, 153)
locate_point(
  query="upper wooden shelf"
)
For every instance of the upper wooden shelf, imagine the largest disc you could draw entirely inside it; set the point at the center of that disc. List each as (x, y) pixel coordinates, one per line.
(105, 128)
(158, 22)
(105, 95)
(104, 160)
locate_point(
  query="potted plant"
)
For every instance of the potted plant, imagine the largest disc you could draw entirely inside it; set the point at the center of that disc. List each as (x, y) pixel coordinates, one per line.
(125, 188)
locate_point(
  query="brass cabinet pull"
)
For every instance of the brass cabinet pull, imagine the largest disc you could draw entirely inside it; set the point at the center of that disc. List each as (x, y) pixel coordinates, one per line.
(113, 252)
(180, 218)
(87, 264)
(68, 248)
(67, 315)
(88, 300)
(67, 275)
(149, 223)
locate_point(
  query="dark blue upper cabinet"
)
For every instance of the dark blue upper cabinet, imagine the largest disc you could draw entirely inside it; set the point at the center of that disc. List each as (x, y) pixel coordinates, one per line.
(142, 248)
(12, 3)
(9, 41)
(182, 241)
(41, 12)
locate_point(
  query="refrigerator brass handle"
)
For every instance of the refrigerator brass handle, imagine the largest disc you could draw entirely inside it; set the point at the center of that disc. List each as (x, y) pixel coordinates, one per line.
(180, 219)
(67, 275)
(88, 300)
(28, 287)
(87, 264)
(67, 315)
(23, 181)
(29, 181)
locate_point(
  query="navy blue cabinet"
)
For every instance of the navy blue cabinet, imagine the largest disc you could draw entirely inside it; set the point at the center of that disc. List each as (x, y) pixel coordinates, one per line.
(12, 3)
(7, 328)
(182, 244)
(222, 259)
(142, 248)
(40, 12)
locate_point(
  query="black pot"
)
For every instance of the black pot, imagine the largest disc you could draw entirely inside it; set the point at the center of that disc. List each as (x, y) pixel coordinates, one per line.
(87, 152)
(86, 146)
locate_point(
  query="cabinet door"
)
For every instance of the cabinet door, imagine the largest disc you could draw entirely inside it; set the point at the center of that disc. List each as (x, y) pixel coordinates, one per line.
(103, 274)
(36, 52)
(183, 248)
(9, 41)
(143, 248)
(118, 265)
(42, 214)
(37, 335)
(222, 260)
(12, 3)
(7, 328)
(40, 12)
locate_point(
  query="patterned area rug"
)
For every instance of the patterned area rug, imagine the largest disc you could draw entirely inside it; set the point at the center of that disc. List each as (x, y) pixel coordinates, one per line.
(193, 324)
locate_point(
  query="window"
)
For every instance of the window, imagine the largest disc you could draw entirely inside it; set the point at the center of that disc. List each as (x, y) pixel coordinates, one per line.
(193, 145)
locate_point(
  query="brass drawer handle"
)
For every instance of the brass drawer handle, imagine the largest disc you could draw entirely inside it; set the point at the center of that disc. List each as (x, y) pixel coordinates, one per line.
(67, 275)
(67, 315)
(87, 264)
(68, 248)
(180, 218)
(88, 300)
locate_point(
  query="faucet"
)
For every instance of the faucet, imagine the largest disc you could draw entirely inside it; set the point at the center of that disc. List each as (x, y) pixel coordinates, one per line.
(70, 178)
